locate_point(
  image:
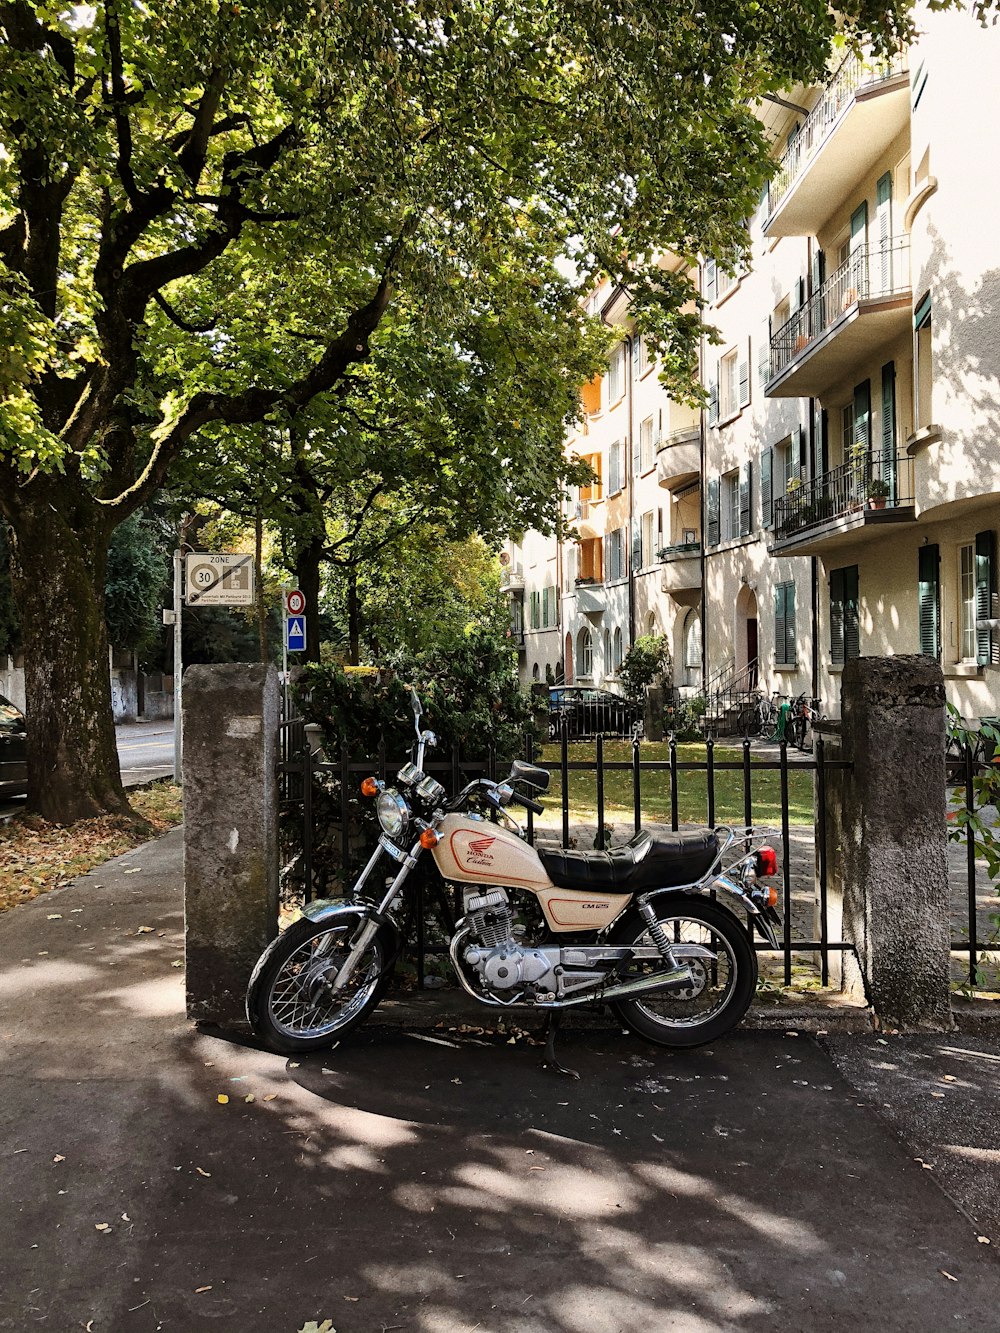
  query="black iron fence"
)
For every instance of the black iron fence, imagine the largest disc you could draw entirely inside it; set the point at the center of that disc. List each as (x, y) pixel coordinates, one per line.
(979, 941)
(880, 481)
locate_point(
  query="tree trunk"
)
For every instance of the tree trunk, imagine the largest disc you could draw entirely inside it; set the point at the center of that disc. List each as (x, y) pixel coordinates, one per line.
(308, 563)
(58, 571)
(261, 609)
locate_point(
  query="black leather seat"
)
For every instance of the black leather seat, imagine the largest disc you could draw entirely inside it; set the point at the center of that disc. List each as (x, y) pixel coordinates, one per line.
(649, 861)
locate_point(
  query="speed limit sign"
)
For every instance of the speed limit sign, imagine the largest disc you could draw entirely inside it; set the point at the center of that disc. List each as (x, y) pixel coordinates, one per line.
(295, 602)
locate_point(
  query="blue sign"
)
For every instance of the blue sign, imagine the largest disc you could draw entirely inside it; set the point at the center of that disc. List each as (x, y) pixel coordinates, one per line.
(295, 634)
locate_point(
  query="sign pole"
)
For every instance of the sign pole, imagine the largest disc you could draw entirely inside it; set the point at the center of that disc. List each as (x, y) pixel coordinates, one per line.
(284, 646)
(178, 663)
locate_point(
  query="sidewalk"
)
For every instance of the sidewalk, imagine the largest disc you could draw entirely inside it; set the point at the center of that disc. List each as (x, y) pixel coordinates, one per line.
(445, 1185)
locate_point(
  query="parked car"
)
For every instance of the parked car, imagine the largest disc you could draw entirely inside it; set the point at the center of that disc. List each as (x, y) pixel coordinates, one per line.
(589, 712)
(13, 750)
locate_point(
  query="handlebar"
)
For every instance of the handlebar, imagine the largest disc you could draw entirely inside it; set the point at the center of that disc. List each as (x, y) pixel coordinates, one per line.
(535, 807)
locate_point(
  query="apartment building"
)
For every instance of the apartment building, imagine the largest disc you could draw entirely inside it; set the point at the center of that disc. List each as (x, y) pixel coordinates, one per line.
(633, 563)
(841, 493)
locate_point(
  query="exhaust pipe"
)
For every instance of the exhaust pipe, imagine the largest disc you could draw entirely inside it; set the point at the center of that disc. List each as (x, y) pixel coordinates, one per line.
(675, 978)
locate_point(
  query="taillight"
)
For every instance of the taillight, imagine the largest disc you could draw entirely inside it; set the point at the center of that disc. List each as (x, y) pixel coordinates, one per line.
(766, 859)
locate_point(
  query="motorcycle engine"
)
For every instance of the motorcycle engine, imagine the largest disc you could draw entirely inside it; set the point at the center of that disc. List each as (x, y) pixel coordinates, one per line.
(500, 962)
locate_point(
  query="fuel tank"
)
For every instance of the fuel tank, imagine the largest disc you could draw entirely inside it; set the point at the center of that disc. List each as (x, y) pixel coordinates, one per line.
(473, 851)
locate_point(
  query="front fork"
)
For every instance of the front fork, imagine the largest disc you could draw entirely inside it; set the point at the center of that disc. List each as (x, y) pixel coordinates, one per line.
(374, 918)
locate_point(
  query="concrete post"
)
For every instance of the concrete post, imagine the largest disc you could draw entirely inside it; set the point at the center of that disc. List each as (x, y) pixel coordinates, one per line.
(886, 837)
(230, 831)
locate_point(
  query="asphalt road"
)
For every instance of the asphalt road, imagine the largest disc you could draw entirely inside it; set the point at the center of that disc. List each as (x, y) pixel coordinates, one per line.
(145, 752)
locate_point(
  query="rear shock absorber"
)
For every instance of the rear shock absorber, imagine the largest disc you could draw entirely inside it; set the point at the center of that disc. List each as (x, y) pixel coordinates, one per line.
(657, 932)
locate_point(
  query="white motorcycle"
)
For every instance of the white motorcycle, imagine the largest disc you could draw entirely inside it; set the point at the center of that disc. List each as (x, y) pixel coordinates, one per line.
(645, 928)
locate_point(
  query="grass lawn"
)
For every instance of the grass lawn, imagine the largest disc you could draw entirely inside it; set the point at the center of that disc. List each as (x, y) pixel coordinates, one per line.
(36, 856)
(692, 788)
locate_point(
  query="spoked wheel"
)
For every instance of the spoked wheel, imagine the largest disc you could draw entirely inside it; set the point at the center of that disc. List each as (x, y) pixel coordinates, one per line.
(291, 1003)
(721, 988)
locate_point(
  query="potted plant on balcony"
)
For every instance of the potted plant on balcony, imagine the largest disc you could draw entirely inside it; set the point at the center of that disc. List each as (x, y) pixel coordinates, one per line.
(878, 493)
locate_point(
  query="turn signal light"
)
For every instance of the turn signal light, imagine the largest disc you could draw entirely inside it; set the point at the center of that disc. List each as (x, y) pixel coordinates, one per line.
(772, 895)
(369, 787)
(429, 838)
(767, 861)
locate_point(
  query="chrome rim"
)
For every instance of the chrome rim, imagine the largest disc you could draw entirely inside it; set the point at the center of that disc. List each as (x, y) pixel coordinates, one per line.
(713, 984)
(300, 1002)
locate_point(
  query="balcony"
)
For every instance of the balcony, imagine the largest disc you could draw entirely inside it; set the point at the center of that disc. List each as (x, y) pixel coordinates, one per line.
(512, 578)
(590, 596)
(860, 112)
(854, 501)
(681, 574)
(857, 311)
(678, 458)
(515, 636)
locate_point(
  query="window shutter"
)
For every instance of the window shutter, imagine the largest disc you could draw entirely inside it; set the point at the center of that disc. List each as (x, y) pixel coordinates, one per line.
(889, 427)
(863, 417)
(745, 499)
(713, 401)
(818, 270)
(800, 452)
(791, 652)
(636, 354)
(985, 587)
(883, 222)
(743, 376)
(766, 488)
(711, 280)
(637, 547)
(636, 451)
(764, 355)
(712, 522)
(779, 623)
(928, 600)
(852, 618)
(836, 616)
(536, 618)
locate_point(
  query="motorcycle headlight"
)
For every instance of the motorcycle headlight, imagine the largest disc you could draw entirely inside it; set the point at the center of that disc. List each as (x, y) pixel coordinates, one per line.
(393, 814)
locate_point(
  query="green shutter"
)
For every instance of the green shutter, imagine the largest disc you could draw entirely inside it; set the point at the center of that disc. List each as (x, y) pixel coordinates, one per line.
(712, 521)
(766, 488)
(791, 653)
(889, 428)
(852, 614)
(745, 498)
(863, 417)
(779, 623)
(929, 600)
(743, 377)
(985, 587)
(711, 280)
(836, 616)
(713, 401)
(883, 223)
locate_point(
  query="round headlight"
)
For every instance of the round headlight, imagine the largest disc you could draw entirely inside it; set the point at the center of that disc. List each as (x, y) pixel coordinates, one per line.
(393, 814)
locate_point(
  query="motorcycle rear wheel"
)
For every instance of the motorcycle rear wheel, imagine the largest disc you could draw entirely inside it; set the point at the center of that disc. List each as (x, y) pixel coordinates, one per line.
(290, 1006)
(720, 993)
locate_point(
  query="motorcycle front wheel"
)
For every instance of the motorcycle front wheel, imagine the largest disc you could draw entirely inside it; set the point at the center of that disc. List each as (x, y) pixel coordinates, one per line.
(720, 990)
(291, 1006)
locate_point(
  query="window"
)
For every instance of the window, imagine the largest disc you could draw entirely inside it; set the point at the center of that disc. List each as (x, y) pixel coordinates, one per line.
(593, 491)
(516, 617)
(607, 652)
(651, 624)
(730, 506)
(618, 658)
(784, 625)
(967, 603)
(987, 643)
(725, 283)
(589, 561)
(648, 534)
(692, 648)
(616, 554)
(615, 380)
(615, 478)
(845, 627)
(645, 359)
(584, 653)
(728, 385)
(536, 673)
(646, 455)
(536, 610)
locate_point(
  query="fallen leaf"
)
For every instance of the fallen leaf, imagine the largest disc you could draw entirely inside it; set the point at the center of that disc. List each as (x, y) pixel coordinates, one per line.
(199, 1290)
(983, 1240)
(134, 871)
(59, 1157)
(948, 1078)
(222, 1099)
(937, 1094)
(145, 930)
(293, 1064)
(101, 1226)
(55, 916)
(206, 1174)
(313, 1327)
(270, 1096)
(536, 1168)
(126, 1218)
(944, 1273)
(791, 1034)
(352, 1298)
(249, 1097)
(178, 962)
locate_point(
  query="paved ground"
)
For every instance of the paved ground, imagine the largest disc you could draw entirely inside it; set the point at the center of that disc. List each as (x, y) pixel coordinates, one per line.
(439, 1185)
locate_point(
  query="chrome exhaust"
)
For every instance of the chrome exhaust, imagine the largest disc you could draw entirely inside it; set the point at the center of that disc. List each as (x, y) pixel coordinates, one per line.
(676, 978)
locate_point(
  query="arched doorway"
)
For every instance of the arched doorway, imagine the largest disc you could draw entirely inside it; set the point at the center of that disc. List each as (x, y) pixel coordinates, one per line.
(747, 643)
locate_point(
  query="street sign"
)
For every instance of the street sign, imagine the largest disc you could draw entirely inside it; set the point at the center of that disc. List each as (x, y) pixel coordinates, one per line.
(295, 602)
(218, 580)
(295, 634)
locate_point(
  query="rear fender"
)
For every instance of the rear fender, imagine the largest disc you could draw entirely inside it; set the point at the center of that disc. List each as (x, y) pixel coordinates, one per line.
(732, 894)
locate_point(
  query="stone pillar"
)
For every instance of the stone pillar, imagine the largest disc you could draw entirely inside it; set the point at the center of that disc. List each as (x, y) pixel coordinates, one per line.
(230, 719)
(887, 841)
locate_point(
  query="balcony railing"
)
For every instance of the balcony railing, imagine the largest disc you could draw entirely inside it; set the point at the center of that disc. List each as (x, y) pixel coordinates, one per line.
(679, 551)
(512, 578)
(880, 481)
(878, 270)
(853, 75)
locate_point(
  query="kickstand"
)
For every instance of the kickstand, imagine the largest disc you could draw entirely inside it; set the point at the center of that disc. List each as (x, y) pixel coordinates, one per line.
(550, 1061)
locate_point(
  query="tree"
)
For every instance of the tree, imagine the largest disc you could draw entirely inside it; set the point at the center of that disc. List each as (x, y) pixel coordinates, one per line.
(206, 209)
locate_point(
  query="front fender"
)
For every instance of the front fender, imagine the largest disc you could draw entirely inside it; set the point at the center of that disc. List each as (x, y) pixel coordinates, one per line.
(735, 893)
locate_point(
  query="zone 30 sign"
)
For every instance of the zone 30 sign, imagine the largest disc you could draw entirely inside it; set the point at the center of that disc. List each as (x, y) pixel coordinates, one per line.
(218, 580)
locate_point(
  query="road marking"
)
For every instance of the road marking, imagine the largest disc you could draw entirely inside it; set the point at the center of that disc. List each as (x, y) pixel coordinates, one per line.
(147, 745)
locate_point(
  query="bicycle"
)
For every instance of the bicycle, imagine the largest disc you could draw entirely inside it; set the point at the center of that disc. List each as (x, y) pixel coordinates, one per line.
(805, 714)
(767, 713)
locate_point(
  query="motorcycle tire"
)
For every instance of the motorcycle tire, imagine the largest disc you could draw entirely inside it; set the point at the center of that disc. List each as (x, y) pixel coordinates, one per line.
(287, 1005)
(720, 994)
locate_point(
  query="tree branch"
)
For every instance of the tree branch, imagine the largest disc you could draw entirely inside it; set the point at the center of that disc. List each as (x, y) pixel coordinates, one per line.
(174, 318)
